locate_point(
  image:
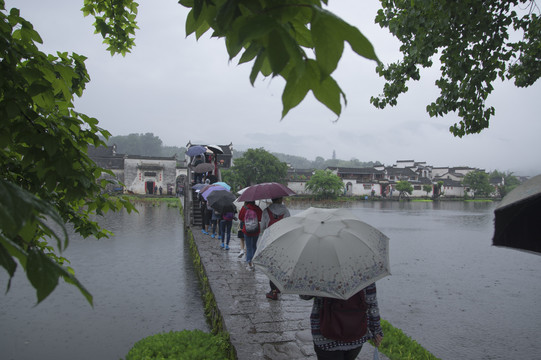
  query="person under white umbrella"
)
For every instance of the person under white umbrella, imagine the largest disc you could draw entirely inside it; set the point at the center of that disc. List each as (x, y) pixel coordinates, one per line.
(335, 258)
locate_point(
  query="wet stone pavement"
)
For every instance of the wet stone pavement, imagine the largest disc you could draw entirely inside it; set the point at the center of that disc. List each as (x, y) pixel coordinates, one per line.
(259, 328)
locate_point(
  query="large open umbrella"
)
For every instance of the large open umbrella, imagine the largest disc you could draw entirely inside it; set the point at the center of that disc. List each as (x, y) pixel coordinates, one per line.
(323, 252)
(221, 199)
(209, 190)
(217, 149)
(195, 150)
(221, 183)
(198, 186)
(205, 187)
(203, 168)
(516, 218)
(269, 190)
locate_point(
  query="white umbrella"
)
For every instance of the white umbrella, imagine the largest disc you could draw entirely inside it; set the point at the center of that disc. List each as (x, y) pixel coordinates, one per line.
(323, 252)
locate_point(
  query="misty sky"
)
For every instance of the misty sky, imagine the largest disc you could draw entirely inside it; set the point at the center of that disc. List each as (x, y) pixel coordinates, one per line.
(185, 90)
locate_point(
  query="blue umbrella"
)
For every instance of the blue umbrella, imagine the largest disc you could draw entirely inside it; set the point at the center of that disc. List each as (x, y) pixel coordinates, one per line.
(196, 150)
(221, 183)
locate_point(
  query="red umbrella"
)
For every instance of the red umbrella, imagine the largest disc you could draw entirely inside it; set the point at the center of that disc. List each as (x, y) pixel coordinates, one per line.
(270, 190)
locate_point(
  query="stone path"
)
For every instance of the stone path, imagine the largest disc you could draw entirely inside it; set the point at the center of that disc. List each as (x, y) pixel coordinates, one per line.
(259, 328)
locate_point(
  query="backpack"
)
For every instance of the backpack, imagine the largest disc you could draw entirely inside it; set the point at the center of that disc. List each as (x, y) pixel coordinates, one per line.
(273, 217)
(228, 216)
(344, 320)
(251, 223)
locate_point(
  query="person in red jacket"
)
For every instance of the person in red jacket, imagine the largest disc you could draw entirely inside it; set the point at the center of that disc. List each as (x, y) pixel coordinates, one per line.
(250, 235)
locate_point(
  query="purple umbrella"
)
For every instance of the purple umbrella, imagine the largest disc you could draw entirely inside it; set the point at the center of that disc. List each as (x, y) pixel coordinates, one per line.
(208, 191)
(270, 190)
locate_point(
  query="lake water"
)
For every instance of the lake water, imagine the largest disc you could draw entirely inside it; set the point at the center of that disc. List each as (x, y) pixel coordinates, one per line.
(450, 290)
(143, 283)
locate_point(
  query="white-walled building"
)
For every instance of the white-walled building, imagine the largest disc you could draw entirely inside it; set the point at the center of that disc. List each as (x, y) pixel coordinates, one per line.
(146, 175)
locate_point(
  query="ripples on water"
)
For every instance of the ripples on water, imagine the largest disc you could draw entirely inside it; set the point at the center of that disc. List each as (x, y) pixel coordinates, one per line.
(142, 281)
(450, 289)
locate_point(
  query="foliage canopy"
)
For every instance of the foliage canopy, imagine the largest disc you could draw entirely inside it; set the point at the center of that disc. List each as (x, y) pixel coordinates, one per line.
(473, 39)
(47, 179)
(256, 166)
(475, 47)
(478, 182)
(507, 180)
(404, 187)
(325, 183)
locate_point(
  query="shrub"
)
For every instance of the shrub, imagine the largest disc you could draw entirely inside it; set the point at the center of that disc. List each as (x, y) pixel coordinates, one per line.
(180, 345)
(398, 346)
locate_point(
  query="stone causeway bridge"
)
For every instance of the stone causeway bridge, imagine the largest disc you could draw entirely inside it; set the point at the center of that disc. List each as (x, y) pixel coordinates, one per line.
(259, 328)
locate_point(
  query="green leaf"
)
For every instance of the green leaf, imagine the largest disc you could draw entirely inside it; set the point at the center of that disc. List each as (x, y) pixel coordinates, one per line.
(191, 23)
(297, 86)
(67, 275)
(328, 42)
(329, 93)
(42, 272)
(258, 64)
(254, 27)
(250, 53)
(14, 250)
(277, 52)
(225, 16)
(18, 207)
(329, 33)
(7, 262)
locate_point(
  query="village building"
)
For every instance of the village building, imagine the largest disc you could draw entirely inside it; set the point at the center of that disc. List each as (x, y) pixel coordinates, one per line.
(149, 174)
(139, 174)
(360, 181)
(297, 179)
(107, 158)
(381, 180)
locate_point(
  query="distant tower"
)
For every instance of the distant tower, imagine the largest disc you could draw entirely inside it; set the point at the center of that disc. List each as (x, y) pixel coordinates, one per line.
(334, 154)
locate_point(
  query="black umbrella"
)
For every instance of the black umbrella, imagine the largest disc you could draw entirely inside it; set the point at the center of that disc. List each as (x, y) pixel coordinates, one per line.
(221, 199)
(217, 149)
(517, 218)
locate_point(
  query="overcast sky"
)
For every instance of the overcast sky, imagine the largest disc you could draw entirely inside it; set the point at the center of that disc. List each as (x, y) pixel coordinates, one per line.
(185, 90)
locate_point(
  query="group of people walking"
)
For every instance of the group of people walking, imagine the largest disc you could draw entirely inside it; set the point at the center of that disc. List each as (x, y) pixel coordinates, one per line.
(253, 222)
(218, 223)
(327, 344)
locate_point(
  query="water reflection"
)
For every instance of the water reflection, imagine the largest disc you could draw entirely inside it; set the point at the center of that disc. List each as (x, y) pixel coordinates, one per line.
(142, 281)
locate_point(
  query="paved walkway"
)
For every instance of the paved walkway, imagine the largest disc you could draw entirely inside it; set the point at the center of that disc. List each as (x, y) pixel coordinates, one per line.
(259, 328)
